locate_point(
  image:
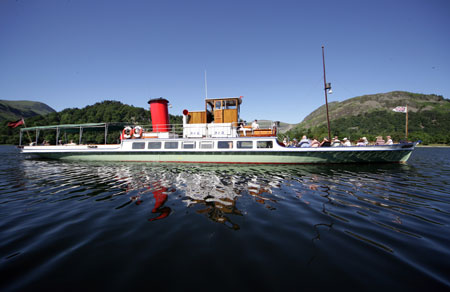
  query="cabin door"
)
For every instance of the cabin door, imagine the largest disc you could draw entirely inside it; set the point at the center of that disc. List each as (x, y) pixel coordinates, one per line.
(230, 111)
(218, 111)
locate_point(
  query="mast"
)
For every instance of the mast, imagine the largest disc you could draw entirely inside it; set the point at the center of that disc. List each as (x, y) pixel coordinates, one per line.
(327, 86)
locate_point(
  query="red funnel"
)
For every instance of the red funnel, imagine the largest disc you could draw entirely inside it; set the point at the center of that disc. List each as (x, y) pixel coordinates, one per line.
(160, 114)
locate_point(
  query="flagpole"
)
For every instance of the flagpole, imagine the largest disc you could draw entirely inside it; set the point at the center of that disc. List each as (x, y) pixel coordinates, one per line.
(25, 125)
(406, 128)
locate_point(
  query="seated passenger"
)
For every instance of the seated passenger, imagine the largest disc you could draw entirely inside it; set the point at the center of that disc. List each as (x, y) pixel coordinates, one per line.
(389, 140)
(315, 143)
(304, 142)
(335, 142)
(366, 142)
(361, 142)
(325, 143)
(379, 141)
(242, 128)
(255, 125)
(347, 142)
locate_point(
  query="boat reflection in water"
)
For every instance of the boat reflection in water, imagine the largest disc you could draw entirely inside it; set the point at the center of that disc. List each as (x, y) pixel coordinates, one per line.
(212, 190)
(221, 193)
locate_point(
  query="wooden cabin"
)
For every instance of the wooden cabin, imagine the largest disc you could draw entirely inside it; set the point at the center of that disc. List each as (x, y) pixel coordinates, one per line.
(217, 110)
(226, 111)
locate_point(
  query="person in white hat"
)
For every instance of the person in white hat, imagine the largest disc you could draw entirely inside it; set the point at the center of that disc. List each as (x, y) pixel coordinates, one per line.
(347, 142)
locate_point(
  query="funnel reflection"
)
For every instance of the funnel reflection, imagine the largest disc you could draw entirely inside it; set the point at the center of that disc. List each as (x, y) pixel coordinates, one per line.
(214, 192)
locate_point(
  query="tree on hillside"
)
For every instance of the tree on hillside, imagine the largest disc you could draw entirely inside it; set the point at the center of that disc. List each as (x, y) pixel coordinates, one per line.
(106, 111)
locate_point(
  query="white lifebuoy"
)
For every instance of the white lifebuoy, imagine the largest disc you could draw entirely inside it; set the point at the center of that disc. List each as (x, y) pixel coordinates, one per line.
(137, 132)
(127, 132)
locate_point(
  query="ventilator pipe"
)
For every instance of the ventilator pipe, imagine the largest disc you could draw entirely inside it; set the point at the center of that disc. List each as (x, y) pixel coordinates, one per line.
(185, 117)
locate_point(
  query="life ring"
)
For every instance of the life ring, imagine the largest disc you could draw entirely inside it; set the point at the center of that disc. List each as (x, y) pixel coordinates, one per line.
(127, 132)
(137, 132)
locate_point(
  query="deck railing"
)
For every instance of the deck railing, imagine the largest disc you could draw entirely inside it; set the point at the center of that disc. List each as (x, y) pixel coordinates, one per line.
(211, 130)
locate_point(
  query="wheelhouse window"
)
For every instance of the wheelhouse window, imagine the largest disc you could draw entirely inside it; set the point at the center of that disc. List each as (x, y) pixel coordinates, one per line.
(218, 105)
(225, 144)
(154, 145)
(171, 145)
(230, 104)
(188, 145)
(206, 145)
(138, 145)
(264, 144)
(244, 144)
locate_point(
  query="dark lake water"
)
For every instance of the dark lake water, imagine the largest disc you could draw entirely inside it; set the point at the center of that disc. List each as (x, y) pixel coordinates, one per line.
(126, 226)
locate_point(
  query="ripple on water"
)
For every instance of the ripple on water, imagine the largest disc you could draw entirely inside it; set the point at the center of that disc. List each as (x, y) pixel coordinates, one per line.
(209, 223)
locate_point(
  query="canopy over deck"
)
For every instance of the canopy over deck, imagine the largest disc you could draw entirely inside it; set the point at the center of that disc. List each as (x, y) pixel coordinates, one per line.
(74, 128)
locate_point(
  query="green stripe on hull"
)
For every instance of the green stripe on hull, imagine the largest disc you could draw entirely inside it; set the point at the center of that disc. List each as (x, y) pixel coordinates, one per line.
(269, 157)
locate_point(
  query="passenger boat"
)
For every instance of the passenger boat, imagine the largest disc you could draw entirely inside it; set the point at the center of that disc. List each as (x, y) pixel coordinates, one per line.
(210, 136)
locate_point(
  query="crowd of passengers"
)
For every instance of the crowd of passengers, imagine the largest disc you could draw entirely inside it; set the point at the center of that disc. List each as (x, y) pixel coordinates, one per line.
(335, 142)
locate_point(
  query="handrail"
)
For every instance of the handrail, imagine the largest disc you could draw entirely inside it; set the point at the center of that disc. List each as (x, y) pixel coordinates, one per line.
(203, 130)
(209, 130)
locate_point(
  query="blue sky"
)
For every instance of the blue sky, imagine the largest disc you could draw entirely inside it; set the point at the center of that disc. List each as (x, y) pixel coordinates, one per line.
(73, 53)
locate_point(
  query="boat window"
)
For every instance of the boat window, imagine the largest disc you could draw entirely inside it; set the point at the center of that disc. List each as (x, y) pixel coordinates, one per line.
(206, 145)
(138, 145)
(230, 104)
(218, 105)
(171, 145)
(154, 145)
(264, 144)
(188, 145)
(225, 144)
(245, 144)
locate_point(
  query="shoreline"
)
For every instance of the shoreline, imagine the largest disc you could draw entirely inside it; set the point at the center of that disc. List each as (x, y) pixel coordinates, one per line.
(434, 146)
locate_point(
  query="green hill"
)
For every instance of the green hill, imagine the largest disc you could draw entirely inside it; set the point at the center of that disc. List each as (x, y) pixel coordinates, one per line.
(11, 110)
(372, 115)
(106, 111)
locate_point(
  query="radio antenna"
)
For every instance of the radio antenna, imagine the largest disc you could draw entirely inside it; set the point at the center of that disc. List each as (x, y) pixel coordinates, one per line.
(206, 86)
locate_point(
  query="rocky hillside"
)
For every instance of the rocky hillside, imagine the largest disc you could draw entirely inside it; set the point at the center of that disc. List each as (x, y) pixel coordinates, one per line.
(376, 102)
(11, 110)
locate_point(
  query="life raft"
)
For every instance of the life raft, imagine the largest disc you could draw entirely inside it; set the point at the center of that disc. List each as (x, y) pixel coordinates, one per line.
(137, 132)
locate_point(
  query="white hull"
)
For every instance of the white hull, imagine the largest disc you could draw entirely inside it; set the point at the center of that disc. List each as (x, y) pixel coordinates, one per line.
(275, 154)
